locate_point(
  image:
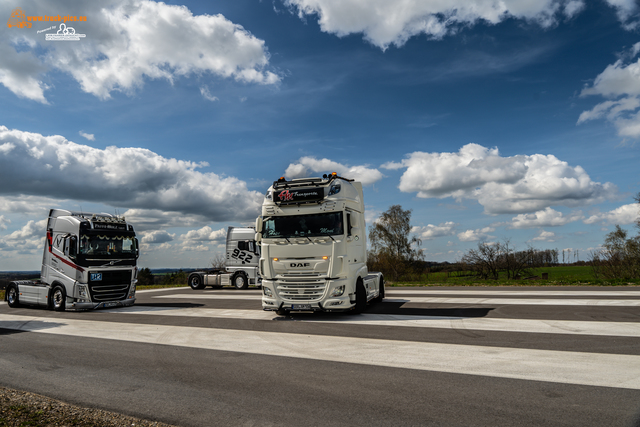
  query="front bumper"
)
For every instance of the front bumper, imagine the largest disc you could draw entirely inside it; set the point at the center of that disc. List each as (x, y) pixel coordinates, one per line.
(103, 304)
(326, 303)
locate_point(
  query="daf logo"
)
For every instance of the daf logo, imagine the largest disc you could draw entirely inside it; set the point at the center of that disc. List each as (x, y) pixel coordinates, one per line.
(299, 264)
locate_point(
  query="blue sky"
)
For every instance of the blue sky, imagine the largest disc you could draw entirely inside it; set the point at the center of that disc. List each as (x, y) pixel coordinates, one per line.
(513, 120)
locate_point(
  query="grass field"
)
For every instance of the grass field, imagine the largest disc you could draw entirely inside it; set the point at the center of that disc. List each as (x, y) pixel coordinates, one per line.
(565, 275)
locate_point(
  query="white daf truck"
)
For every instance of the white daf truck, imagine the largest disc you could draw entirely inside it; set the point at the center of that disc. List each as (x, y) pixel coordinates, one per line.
(313, 241)
(242, 254)
(89, 261)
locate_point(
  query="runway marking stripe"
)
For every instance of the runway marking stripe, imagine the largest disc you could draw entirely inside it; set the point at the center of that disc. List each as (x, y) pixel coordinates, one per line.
(442, 300)
(514, 292)
(592, 369)
(571, 327)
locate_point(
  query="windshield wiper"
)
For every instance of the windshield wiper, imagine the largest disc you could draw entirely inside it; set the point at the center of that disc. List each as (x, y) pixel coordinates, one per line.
(330, 236)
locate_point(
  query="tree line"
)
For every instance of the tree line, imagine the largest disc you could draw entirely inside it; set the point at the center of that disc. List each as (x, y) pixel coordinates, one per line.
(399, 257)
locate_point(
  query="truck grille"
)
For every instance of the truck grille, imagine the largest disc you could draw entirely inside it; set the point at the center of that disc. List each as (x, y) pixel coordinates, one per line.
(311, 290)
(114, 286)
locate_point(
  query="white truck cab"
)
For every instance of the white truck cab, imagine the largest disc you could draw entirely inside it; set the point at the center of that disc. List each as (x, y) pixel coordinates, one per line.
(89, 261)
(242, 254)
(312, 237)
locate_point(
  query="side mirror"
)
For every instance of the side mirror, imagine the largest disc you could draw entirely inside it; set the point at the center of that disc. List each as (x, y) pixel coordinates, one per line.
(137, 248)
(259, 225)
(354, 220)
(258, 237)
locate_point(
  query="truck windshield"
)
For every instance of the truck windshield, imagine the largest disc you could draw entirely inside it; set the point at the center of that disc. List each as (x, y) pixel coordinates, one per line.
(107, 245)
(303, 225)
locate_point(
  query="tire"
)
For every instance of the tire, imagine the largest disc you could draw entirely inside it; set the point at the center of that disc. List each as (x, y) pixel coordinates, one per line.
(12, 296)
(361, 298)
(381, 290)
(240, 280)
(59, 298)
(196, 282)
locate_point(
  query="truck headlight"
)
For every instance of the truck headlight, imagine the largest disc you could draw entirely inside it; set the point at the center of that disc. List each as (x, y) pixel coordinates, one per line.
(337, 292)
(267, 292)
(83, 293)
(132, 290)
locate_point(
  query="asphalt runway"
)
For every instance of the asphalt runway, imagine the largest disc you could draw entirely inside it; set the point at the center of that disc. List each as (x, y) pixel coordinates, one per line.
(426, 357)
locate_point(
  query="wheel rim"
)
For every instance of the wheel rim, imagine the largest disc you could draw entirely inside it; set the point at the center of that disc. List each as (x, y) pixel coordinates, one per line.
(12, 296)
(239, 282)
(57, 298)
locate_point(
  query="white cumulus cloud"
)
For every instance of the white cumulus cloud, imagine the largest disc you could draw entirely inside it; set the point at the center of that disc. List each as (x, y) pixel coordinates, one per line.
(89, 136)
(205, 233)
(131, 41)
(3, 222)
(476, 235)
(384, 22)
(431, 231)
(306, 165)
(626, 214)
(157, 237)
(620, 83)
(517, 184)
(134, 178)
(544, 218)
(545, 236)
(27, 240)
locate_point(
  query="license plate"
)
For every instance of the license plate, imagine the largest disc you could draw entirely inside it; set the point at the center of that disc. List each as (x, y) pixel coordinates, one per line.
(301, 307)
(110, 304)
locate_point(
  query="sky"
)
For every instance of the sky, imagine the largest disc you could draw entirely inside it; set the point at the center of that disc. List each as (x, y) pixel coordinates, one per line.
(489, 120)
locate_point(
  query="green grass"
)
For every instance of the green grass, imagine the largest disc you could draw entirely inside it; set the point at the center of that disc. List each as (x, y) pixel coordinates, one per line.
(564, 275)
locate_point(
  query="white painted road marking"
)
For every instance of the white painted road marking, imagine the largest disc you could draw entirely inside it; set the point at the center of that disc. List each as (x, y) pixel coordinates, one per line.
(620, 329)
(593, 369)
(485, 291)
(442, 300)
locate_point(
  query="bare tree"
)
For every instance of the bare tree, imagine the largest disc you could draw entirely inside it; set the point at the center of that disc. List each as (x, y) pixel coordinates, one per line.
(619, 257)
(485, 259)
(392, 250)
(219, 261)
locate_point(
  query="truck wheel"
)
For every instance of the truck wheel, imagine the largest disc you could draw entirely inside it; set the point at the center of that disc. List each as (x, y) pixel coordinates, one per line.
(59, 298)
(381, 290)
(240, 281)
(195, 281)
(361, 298)
(12, 296)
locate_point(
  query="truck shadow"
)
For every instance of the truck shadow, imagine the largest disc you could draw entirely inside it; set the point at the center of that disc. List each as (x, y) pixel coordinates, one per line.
(391, 309)
(169, 305)
(397, 308)
(8, 327)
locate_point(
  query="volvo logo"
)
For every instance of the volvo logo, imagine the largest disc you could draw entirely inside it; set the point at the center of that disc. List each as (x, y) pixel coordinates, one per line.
(299, 264)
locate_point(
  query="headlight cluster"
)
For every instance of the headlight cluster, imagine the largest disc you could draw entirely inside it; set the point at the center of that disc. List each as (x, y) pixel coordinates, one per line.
(83, 292)
(267, 291)
(132, 290)
(337, 292)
